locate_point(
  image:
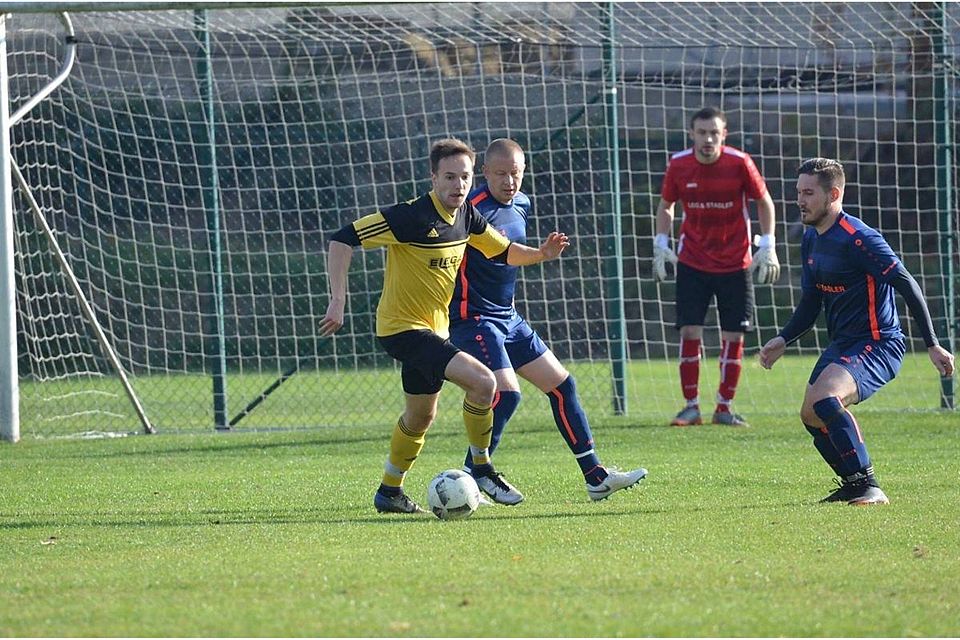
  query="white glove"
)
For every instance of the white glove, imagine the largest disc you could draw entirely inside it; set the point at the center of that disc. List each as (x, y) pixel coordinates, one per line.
(765, 261)
(662, 253)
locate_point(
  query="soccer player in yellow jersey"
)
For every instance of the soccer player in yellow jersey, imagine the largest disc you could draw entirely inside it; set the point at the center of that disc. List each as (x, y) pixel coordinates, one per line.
(425, 239)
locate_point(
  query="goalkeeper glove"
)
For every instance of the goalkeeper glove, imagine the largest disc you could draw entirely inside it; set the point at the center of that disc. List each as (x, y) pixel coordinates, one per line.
(765, 262)
(662, 253)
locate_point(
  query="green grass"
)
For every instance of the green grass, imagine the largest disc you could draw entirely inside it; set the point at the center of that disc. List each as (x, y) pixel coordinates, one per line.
(274, 534)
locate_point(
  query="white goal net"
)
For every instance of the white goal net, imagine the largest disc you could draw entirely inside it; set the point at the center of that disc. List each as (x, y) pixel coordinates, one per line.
(194, 165)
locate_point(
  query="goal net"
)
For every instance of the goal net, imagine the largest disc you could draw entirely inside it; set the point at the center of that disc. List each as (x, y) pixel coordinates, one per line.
(194, 165)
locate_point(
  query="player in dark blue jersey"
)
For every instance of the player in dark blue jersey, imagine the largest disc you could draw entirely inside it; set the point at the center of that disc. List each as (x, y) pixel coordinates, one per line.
(485, 324)
(849, 271)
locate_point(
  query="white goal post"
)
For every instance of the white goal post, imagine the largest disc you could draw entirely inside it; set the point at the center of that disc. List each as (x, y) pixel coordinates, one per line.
(195, 160)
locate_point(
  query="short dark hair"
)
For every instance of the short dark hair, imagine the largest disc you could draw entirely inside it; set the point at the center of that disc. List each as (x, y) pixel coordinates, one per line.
(449, 147)
(829, 173)
(504, 146)
(708, 113)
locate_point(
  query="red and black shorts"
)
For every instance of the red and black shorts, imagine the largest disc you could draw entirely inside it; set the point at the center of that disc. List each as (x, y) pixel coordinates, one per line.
(733, 291)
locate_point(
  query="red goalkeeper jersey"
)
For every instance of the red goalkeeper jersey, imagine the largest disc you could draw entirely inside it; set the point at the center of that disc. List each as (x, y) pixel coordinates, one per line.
(715, 232)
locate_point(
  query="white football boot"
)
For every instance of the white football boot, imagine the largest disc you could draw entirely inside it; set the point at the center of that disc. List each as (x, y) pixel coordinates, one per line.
(615, 481)
(499, 490)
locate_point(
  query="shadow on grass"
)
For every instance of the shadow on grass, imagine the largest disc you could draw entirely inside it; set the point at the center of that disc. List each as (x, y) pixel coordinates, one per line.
(224, 518)
(157, 445)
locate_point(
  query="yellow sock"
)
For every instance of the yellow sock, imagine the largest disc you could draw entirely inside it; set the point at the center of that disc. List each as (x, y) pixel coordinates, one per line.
(405, 446)
(479, 422)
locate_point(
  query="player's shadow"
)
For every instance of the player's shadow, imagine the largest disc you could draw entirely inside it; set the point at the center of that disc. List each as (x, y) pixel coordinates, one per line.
(245, 517)
(229, 448)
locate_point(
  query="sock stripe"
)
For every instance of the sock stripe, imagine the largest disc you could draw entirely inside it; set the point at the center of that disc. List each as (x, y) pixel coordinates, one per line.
(731, 366)
(563, 415)
(474, 409)
(856, 425)
(406, 430)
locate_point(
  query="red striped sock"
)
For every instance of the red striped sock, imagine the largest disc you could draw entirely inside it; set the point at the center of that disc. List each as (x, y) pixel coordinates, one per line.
(690, 368)
(731, 364)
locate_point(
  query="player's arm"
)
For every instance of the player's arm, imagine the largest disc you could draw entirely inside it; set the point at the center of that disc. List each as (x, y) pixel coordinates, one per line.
(662, 253)
(766, 214)
(906, 285)
(493, 245)
(520, 255)
(803, 318)
(339, 256)
(765, 261)
(369, 231)
(665, 217)
(879, 260)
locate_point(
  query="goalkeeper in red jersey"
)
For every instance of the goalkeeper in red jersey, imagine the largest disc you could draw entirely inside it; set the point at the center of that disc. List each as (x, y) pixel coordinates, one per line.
(713, 181)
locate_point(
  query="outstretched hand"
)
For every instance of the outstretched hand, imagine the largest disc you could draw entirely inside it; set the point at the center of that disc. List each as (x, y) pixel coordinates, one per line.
(554, 245)
(942, 360)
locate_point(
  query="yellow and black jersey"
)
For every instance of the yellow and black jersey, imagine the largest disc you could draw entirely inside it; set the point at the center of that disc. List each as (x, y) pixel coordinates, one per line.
(425, 245)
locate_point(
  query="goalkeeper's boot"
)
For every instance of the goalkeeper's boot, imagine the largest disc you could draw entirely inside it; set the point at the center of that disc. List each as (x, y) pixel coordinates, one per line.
(729, 419)
(399, 503)
(689, 415)
(858, 492)
(615, 481)
(500, 491)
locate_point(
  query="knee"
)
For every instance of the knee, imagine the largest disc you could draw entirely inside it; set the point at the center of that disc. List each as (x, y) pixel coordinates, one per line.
(809, 416)
(815, 431)
(827, 409)
(565, 385)
(483, 388)
(418, 422)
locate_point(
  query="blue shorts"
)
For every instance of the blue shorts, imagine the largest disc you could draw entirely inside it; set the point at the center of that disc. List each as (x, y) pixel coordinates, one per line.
(872, 363)
(497, 343)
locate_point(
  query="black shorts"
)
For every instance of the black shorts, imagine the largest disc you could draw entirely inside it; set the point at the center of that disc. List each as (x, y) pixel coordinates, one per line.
(424, 356)
(734, 293)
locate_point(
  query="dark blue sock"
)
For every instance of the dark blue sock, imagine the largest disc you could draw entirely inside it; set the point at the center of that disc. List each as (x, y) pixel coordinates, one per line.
(573, 426)
(504, 406)
(823, 444)
(388, 491)
(845, 436)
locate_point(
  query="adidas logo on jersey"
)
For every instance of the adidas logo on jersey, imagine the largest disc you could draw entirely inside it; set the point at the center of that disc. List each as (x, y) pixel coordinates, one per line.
(433, 233)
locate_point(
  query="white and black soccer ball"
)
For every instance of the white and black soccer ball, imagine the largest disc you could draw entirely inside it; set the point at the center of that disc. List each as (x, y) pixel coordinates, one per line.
(453, 495)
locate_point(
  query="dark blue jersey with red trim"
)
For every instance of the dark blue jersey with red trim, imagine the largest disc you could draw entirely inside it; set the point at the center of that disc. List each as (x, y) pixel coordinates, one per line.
(848, 268)
(486, 287)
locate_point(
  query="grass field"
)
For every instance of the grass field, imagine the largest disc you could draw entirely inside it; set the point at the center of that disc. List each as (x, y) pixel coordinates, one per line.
(255, 534)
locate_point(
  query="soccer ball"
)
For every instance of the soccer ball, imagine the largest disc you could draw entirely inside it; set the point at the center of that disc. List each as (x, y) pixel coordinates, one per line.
(453, 495)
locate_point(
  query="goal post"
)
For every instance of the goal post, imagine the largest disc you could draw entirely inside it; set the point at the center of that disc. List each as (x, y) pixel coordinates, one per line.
(8, 415)
(199, 155)
(9, 380)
